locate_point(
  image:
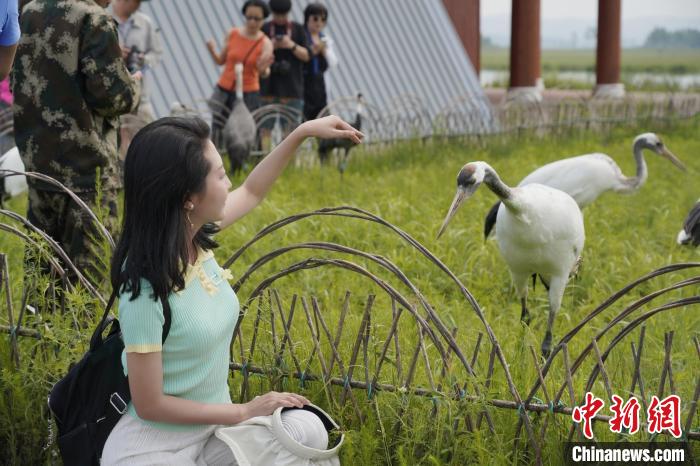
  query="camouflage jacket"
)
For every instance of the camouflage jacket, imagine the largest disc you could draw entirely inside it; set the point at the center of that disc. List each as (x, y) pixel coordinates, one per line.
(70, 85)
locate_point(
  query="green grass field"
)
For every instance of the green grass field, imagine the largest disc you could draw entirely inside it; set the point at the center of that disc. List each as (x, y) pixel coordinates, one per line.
(411, 185)
(677, 61)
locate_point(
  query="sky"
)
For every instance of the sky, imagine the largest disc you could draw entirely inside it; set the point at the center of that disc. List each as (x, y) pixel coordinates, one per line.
(566, 23)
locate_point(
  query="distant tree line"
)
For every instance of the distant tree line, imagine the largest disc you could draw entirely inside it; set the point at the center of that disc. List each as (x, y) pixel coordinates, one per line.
(683, 38)
(487, 42)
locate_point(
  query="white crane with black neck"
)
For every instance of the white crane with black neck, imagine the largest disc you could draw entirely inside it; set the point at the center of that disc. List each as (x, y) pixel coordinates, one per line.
(539, 231)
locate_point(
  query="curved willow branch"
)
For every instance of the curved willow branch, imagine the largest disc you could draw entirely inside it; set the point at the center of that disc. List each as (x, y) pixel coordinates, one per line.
(607, 303)
(58, 250)
(27, 239)
(72, 195)
(634, 324)
(312, 263)
(627, 311)
(452, 343)
(382, 261)
(364, 215)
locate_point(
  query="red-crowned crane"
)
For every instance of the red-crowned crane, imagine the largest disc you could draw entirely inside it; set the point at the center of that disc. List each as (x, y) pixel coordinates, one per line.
(586, 177)
(539, 231)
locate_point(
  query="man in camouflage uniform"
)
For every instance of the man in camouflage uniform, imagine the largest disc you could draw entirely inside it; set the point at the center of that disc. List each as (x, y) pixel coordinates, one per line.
(70, 85)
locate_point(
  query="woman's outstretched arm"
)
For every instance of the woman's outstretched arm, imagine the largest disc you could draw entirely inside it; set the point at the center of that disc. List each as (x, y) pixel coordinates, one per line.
(253, 190)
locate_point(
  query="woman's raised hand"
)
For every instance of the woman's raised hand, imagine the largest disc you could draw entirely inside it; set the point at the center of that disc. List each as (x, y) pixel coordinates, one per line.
(266, 404)
(331, 127)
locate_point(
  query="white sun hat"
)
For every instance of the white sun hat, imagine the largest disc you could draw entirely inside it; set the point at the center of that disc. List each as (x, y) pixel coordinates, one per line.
(290, 436)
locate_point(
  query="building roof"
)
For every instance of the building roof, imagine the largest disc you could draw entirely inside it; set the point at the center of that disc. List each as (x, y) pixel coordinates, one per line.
(387, 49)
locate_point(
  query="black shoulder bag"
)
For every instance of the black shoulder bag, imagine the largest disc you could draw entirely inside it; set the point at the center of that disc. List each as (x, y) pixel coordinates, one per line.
(89, 401)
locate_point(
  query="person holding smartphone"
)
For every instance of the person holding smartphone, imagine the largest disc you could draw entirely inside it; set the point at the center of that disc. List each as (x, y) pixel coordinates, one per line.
(285, 84)
(323, 57)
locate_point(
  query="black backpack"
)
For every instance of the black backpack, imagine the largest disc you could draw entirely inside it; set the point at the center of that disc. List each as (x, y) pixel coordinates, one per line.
(89, 401)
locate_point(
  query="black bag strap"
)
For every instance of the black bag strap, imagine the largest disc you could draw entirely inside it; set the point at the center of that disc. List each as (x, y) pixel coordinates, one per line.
(168, 318)
(245, 59)
(97, 335)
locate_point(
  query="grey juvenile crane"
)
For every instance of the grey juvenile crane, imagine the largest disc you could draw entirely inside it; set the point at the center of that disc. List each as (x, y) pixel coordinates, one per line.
(240, 129)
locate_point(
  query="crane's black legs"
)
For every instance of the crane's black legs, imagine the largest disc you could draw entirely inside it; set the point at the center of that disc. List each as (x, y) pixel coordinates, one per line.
(525, 315)
(547, 345)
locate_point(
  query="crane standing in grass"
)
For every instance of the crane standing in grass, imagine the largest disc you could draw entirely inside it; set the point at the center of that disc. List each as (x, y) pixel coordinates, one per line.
(325, 146)
(239, 131)
(586, 177)
(539, 231)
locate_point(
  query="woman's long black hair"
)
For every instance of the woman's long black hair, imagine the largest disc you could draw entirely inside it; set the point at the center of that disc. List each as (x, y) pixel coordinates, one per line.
(165, 164)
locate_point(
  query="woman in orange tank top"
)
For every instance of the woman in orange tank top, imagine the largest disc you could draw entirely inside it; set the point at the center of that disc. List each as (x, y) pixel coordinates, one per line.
(250, 46)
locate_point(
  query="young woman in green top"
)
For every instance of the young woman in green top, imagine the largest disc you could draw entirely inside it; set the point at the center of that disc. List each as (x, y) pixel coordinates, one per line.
(176, 196)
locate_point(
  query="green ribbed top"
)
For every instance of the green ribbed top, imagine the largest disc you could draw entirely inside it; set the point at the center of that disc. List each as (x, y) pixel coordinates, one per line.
(196, 351)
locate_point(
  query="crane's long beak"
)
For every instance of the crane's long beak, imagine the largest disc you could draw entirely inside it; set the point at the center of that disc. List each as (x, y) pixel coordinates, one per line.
(674, 160)
(461, 196)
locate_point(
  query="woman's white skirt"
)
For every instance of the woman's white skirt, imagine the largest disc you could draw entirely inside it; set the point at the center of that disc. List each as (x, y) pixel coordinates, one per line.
(133, 442)
(287, 437)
